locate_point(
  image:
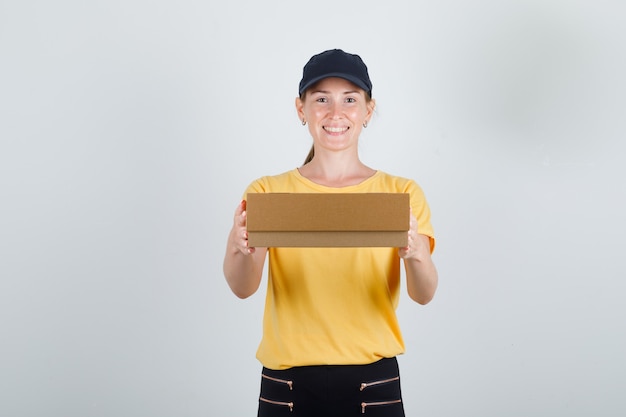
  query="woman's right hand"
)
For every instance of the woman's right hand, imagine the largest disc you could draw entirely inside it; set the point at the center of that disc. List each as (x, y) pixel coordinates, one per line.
(238, 238)
(243, 273)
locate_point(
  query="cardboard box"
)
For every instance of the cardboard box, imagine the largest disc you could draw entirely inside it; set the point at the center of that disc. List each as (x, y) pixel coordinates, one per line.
(327, 220)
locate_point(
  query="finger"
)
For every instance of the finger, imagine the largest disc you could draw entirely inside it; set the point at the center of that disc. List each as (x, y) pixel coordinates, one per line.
(248, 249)
(412, 220)
(240, 214)
(245, 246)
(240, 207)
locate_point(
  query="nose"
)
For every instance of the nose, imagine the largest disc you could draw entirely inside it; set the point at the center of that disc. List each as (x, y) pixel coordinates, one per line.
(335, 110)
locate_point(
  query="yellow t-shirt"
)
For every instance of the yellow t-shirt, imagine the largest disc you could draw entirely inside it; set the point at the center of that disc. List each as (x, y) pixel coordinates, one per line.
(334, 306)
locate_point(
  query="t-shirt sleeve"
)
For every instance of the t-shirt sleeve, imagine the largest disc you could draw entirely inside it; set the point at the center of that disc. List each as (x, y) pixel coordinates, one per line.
(256, 186)
(421, 211)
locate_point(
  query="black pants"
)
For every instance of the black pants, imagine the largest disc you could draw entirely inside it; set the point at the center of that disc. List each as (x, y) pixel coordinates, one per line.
(332, 391)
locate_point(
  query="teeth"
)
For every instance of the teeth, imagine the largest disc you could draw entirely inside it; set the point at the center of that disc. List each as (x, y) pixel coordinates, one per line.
(336, 129)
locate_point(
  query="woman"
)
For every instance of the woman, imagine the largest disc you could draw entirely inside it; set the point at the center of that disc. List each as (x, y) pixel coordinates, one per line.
(330, 331)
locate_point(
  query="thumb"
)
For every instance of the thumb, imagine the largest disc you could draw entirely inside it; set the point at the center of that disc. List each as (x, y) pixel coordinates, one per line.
(240, 213)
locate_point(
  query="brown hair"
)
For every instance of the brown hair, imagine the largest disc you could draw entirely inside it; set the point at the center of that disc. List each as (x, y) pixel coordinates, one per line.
(310, 156)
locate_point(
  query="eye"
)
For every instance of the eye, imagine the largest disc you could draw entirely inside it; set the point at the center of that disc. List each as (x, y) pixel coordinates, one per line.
(350, 100)
(322, 100)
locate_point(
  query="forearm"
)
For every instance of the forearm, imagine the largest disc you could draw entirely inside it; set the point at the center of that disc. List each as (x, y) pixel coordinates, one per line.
(422, 279)
(244, 272)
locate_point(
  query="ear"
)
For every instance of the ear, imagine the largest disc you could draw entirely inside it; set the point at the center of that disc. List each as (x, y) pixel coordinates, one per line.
(300, 108)
(371, 106)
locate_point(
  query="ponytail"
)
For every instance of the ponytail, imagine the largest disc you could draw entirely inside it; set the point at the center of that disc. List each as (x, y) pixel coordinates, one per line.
(309, 157)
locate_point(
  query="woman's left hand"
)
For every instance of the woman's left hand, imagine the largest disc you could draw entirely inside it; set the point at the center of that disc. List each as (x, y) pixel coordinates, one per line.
(417, 244)
(421, 274)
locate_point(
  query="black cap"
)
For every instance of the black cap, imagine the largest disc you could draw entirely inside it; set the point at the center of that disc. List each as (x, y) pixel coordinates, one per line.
(335, 63)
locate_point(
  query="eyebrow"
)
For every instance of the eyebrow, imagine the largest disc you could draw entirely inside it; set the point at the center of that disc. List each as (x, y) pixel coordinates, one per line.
(328, 92)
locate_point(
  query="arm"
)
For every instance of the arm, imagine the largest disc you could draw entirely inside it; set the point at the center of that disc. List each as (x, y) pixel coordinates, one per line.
(243, 266)
(421, 274)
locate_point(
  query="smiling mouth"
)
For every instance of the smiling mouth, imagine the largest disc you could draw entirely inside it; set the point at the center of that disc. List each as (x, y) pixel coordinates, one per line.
(336, 129)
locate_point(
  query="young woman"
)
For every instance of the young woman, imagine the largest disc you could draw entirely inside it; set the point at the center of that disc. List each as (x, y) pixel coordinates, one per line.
(330, 331)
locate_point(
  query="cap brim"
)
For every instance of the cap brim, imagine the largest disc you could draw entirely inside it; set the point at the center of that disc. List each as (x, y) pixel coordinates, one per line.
(354, 80)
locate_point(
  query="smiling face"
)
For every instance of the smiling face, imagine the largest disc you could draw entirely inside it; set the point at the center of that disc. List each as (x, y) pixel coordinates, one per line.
(335, 110)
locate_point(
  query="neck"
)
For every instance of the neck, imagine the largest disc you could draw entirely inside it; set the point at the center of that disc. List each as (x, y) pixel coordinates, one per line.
(336, 171)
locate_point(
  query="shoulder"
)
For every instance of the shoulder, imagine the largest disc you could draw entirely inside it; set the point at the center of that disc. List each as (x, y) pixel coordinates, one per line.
(273, 183)
(399, 184)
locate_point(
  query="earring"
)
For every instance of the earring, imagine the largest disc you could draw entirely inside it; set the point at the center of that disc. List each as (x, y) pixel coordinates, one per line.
(365, 124)
(303, 122)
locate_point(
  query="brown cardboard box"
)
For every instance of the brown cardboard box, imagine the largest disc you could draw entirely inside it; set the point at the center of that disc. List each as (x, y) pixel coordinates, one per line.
(327, 220)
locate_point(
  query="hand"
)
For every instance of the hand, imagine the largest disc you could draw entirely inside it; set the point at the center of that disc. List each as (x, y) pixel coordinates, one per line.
(238, 238)
(416, 243)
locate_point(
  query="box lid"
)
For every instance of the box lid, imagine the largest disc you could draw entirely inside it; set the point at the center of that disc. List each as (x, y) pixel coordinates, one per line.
(275, 212)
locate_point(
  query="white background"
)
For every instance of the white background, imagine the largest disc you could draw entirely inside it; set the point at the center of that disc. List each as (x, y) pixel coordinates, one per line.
(130, 129)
